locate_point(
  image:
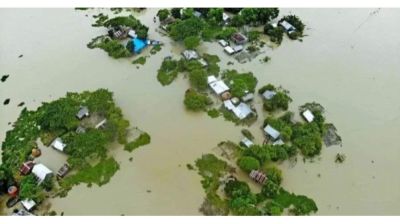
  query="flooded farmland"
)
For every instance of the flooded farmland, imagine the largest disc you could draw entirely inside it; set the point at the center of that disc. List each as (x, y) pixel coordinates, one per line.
(349, 62)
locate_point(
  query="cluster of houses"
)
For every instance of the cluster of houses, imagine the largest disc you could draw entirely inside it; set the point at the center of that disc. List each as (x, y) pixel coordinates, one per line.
(42, 172)
(137, 44)
(233, 104)
(238, 39)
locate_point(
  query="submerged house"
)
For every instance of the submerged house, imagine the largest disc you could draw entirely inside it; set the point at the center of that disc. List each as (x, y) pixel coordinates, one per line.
(258, 176)
(223, 43)
(237, 48)
(83, 112)
(272, 132)
(190, 54)
(137, 45)
(28, 204)
(239, 38)
(268, 94)
(246, 142)
(58, 144)
(308, 116)
(226, 18)
(118, 32)
(41, 172)
(242, 111)
(218, 86)
(132, 34)
(289, 28)
(203, 62)
(247, 97)
(229, 50)
(63, 171)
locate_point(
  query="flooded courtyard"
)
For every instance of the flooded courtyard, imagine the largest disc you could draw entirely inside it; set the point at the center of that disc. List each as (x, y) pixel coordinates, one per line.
(349, 62)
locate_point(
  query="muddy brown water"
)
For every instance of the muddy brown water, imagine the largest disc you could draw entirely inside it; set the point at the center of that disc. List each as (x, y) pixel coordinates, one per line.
(349, 62)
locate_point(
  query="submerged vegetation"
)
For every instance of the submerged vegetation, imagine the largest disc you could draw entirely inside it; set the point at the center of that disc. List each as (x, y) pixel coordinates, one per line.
(196, 101)
(113, 48)
(168, 71)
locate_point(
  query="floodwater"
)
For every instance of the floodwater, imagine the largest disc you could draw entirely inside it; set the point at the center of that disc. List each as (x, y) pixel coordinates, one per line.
(349, 62)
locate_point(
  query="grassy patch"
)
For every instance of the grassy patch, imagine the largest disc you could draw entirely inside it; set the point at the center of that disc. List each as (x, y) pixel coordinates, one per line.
(143, 139)
(98, 174)
(113, 48)
(167, 72)
(141, 60)
(155, 49)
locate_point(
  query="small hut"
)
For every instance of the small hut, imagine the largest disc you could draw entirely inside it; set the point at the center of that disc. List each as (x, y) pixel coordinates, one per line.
(36, 152)
(26, 167)
(258, 176)
(82, 113)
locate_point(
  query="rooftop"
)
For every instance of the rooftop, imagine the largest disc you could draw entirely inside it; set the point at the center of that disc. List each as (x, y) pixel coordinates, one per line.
(242, 111)
(190, 54)
(219, 87)
(138, 45)
(308, 115)
(58, 144)
(268, 94)
(247, 142)
(271, 132)
(41, 171)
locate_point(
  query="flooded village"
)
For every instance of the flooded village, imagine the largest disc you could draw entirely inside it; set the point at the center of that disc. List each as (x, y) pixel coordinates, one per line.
(239, 103)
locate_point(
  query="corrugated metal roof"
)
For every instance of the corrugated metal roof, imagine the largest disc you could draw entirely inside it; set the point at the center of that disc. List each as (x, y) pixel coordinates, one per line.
(268, 94)
(271, 132)
(308, 116)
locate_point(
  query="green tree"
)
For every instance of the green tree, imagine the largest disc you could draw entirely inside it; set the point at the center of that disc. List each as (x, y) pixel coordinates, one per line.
(176, 13)
(270, 189)
(235, 188)
(215, 14)
(59, 115)
(238, 21)
(186, 28)
(198, 79)
(85, 146)
(187, 13)
(253, 35)
(191, 42)
(163, 14)
(248, 163)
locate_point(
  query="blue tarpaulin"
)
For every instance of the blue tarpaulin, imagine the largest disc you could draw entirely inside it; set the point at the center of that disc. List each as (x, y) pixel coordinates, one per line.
(138, 45)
